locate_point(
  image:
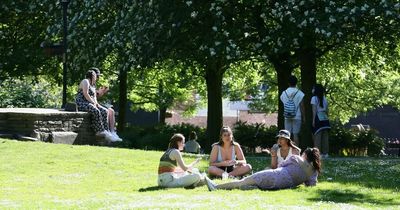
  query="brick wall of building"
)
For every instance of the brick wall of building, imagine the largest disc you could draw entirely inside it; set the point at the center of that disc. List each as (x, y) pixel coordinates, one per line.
(245, 116)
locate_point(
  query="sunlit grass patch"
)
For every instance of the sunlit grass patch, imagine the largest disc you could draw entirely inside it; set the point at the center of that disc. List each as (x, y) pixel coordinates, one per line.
(36, 175)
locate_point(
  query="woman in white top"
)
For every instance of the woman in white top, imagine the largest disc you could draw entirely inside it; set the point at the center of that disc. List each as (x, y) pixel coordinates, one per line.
(227, 156)
(320, 123)
(284, 149)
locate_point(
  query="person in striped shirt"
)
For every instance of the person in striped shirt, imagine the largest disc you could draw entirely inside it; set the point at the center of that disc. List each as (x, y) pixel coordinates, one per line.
(172, 170)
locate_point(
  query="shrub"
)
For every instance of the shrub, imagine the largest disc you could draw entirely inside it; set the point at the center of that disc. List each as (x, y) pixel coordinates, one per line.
(253, 135)
(157, 137)
(29, 92)
(375, 143)
(339, 138)
(343, 141)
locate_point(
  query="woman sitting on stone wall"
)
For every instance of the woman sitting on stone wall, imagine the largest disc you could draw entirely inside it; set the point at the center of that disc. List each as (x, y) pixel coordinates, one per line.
(86, 101)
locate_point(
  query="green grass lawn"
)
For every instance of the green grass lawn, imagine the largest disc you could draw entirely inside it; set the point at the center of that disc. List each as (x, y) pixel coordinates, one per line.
(35, 175)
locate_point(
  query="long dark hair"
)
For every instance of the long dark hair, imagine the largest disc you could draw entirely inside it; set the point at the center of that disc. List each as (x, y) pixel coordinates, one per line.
(314, 157)
(193, 135)
(226, 129)
(173, 142)
(89, 75)
(290, 143)
(319, 92)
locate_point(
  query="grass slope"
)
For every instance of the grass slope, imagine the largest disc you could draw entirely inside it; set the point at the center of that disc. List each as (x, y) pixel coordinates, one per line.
(35, 175)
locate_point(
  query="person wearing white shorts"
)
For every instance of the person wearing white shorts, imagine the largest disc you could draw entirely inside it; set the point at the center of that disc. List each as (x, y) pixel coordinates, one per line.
(294, 124)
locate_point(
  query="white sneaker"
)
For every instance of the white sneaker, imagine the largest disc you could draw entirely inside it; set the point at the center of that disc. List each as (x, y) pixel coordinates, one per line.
(102, 134)
(108, 136)
(210, 185)
(116, 137)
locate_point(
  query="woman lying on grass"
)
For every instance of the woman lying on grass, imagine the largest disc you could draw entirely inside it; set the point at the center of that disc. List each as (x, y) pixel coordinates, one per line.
(290, 173)
(173, 172)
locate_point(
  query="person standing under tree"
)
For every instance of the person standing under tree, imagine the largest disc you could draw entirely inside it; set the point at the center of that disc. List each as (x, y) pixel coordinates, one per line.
(292, 99)
(320, 122)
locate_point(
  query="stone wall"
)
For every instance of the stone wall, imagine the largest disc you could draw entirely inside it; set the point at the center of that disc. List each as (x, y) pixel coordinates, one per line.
(49, 125)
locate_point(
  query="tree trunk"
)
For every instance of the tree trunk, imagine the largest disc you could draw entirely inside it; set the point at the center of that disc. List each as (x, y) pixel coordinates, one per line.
(162, 108)
(283, 69)
(123, 76)
(163, 112)
(308, 65)
(214, 74)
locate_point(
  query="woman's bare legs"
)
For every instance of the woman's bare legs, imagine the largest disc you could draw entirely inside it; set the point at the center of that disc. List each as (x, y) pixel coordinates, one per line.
(241, 170)
(111, 122)
(111, 119)
(214, 170)
(243, 184)
(238, 171)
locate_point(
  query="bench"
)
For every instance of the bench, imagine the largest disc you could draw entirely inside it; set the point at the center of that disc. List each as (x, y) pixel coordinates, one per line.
(48, 125)
(392, 146)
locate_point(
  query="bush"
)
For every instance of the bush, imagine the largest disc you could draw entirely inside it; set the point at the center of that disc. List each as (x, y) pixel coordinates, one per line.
(253, 135)
(339, 138)
(29, 92)
(346, 142)
(157, 138)
(375, 143)
(342, 141)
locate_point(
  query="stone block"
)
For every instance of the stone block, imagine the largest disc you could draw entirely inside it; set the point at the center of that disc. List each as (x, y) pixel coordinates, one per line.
(63, 137)
(49, 123)
(27, 138)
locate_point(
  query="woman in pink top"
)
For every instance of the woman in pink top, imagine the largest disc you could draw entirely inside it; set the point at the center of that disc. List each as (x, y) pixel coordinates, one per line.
(292, 172)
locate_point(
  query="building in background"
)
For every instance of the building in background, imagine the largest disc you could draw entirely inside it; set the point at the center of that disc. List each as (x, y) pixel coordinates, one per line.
(233, 111)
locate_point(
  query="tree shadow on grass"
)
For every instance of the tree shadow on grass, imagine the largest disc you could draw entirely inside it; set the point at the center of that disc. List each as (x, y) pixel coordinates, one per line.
(350, 196)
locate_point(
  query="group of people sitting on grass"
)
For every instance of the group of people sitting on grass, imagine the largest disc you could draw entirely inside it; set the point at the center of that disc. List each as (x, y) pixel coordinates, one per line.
(288, 168)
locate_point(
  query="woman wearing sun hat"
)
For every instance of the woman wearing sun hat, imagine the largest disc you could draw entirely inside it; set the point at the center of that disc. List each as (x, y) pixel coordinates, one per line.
(284, 149)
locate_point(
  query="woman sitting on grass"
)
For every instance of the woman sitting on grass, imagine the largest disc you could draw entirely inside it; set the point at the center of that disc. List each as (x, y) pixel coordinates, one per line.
(291, 173)
(227, 156)
(283, 150)
(172, 171)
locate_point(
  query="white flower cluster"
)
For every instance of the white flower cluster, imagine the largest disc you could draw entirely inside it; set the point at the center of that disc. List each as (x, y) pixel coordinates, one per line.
(194, 14)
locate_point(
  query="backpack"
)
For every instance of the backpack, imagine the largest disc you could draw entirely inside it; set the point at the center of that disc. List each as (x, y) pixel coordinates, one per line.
(289, 108)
